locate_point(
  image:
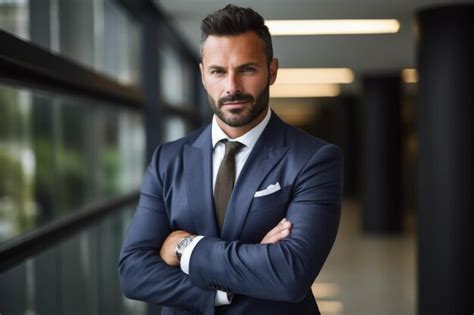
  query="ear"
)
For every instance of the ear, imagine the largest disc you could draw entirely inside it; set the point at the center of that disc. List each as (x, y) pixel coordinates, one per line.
(273, 70)
(201, 68)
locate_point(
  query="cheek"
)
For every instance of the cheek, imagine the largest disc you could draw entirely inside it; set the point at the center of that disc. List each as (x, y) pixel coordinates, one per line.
(213, 87)
(256, 85)
(214, 93)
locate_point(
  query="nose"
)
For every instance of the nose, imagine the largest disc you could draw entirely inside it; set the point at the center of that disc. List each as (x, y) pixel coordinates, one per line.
(233, 84)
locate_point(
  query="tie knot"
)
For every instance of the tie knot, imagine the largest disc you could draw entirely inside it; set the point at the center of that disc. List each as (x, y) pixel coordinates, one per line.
(232, 147)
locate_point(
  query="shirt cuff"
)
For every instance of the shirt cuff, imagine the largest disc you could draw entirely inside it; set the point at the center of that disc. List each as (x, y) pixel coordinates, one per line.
(223, 298)
(186, 256)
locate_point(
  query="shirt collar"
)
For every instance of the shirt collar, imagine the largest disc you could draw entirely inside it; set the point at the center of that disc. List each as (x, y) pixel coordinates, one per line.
(248, 139)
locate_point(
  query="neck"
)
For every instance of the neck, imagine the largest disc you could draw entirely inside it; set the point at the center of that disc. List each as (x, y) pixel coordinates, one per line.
(235, 132)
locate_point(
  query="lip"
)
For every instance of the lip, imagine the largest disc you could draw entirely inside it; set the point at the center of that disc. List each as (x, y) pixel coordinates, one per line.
(234, 103)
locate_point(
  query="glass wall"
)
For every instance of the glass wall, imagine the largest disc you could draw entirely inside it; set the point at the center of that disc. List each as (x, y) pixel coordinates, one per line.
(60, 153)
(120, 56)
(78, 276)
(178, 78)
(98, 34)
(175, 128)
(14, 17)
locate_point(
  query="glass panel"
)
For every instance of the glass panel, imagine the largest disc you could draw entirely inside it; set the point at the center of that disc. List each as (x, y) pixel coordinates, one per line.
(14, 17)
(60, 153)
(121, 45)
(18, 209)
(176, 78)
(175, 128)
(78, 276)
(99, 34)
(77, 30)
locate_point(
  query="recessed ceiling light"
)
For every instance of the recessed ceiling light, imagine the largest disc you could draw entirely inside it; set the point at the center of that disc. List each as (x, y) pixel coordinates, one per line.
(332, 27)
(409, 75)
(314, 76)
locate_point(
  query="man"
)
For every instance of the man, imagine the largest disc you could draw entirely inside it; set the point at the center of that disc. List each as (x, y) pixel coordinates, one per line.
(239, 216)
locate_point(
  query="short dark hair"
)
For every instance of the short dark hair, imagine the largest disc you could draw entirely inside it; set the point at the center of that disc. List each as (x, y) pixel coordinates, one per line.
(234, 20)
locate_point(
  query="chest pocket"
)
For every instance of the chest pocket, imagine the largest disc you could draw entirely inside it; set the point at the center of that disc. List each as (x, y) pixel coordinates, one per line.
(271, 201)
(265, 212)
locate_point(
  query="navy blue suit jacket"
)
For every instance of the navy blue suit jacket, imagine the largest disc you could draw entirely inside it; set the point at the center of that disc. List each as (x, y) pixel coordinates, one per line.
(265, 278)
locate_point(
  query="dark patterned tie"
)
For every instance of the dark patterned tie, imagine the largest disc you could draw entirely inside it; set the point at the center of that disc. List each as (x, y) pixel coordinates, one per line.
(225, 180)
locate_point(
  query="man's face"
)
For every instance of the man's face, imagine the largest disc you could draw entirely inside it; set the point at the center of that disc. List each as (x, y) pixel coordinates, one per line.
(236, 76)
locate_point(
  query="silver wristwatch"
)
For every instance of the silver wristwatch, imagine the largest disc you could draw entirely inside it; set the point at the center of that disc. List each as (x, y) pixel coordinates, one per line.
(182, 244)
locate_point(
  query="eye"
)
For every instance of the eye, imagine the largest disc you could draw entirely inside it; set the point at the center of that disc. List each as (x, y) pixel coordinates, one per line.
(217, 71)
(249, 69)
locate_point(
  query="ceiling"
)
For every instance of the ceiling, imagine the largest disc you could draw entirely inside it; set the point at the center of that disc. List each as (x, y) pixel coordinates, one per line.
(362, 53)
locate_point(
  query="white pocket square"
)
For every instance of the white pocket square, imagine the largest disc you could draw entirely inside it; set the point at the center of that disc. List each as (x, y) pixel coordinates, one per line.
(269, 190)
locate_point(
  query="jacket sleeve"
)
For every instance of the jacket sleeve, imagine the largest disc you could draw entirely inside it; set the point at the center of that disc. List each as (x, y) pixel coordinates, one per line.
(286, 270)
(143, 275)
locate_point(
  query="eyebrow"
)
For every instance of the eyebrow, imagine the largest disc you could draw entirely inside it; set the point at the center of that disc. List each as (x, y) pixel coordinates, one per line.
(215, 67)
(248, 64)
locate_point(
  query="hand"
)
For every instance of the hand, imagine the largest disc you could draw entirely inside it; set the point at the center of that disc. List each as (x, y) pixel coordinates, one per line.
(168, 249)
(278, 233)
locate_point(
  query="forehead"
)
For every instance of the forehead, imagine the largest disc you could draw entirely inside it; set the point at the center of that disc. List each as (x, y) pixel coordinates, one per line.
(242, 48)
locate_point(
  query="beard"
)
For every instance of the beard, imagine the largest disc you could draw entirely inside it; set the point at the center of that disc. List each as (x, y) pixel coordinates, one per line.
(239, 117)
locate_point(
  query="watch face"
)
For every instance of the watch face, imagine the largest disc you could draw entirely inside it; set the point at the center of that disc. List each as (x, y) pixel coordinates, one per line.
(182, 244)
(185, 243)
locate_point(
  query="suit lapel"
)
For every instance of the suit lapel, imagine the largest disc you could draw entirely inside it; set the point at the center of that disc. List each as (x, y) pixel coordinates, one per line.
(267, 152)
(198, 175)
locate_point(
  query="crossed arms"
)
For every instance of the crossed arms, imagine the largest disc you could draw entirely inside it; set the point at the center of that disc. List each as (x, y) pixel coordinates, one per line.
(282, 270)
(168, 249)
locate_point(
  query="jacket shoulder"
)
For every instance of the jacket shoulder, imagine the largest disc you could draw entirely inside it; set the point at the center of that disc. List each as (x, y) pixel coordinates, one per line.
(304, 147)
(167, 153)
(299, 139)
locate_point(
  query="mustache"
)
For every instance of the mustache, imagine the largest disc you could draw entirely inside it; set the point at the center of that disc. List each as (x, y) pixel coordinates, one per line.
(235, 98)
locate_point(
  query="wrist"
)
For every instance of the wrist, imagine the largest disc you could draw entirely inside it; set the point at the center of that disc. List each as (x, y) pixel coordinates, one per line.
(230, 296)
(182, 244)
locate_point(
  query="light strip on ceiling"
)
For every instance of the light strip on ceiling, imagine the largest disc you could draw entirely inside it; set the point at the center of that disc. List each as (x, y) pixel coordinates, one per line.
(332, 27)
(314, 76)
(304, 90)
(409, 75)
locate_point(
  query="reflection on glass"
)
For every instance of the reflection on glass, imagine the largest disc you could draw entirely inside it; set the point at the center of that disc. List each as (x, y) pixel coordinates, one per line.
(78, 276)
(17, 163)
(58, 154)
(175, 128)
(175, 78)
(121, 45)
(14, 17)
(99, 34)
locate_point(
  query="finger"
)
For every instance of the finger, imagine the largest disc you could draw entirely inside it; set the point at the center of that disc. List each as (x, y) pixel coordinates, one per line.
(278, 233)
(275, 238)
(283, 232)
(277, 229)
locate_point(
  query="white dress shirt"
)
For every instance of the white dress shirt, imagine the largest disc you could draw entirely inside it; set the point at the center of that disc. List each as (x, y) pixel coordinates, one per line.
(248, 140)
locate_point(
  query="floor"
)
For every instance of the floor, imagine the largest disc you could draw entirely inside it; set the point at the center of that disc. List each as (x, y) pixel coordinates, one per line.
(368, 275)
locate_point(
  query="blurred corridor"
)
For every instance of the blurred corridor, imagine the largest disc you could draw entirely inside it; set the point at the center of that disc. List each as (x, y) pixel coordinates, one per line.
(368, 274)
